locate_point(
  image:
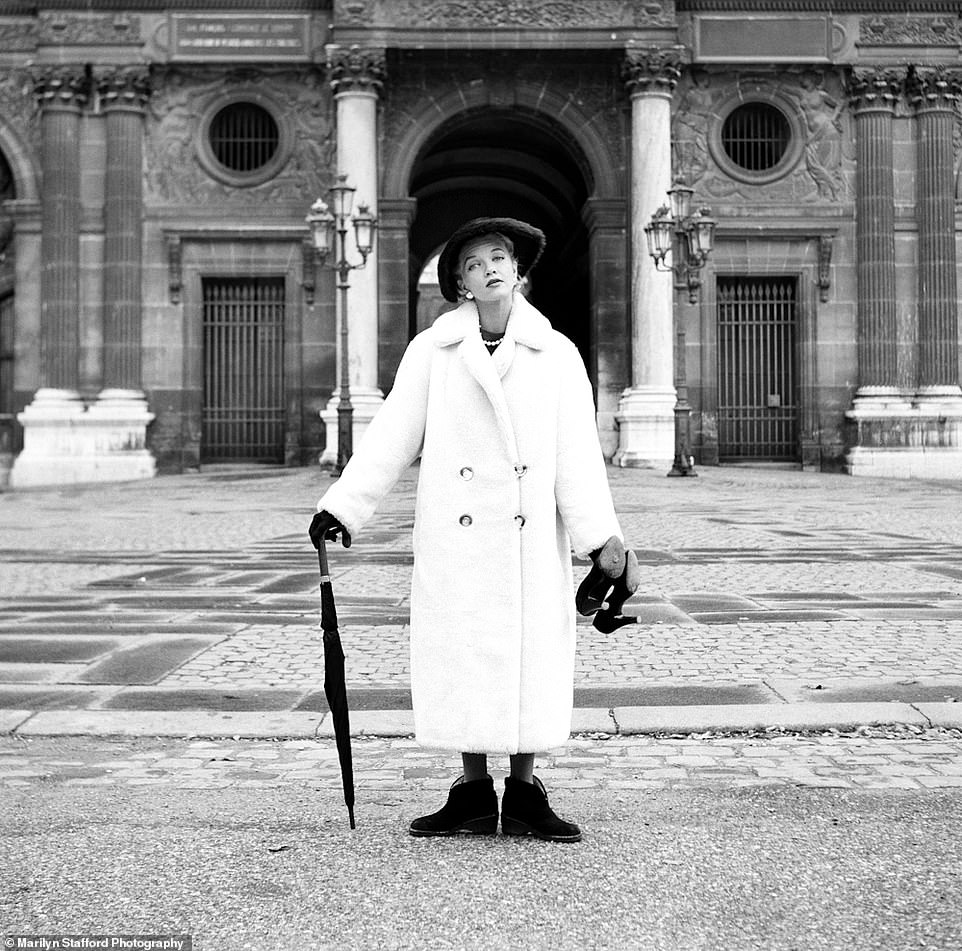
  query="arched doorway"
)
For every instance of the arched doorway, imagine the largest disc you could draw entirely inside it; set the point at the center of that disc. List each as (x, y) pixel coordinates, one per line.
(491, 161)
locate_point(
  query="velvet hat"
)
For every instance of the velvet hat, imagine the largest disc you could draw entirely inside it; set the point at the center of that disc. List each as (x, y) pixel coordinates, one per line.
(528, 245)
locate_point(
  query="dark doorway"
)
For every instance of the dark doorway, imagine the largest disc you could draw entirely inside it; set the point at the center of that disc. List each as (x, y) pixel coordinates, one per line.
(757, 372)
(518, 164)
(243, 411)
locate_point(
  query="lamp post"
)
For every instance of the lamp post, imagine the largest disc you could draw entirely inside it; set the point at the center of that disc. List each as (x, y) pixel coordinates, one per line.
(329, 232)
(689, 238)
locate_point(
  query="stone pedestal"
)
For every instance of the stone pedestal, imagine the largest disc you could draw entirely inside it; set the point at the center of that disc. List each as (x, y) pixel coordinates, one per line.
(646, 428)
(645, 417)
(896, 438)
(366, 403)
(65, 442)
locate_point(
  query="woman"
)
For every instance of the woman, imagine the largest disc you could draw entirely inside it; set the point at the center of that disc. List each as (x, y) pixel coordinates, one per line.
(499, 408)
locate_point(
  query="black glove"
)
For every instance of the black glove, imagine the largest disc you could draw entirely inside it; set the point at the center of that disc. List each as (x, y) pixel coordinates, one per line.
(325, 525)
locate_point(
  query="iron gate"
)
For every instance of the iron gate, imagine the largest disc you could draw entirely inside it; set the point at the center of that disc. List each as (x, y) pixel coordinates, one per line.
(243, 412)
(757, 389)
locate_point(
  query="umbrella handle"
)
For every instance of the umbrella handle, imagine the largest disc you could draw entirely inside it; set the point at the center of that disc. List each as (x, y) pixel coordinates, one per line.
(322, 560)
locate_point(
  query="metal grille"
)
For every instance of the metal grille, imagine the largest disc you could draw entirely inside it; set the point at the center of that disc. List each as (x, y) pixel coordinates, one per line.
(243, 413)
(755, 136)
(757, 399)
(243, 137)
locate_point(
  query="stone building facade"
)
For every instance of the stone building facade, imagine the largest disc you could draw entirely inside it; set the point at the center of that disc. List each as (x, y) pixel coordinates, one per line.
(161, 306)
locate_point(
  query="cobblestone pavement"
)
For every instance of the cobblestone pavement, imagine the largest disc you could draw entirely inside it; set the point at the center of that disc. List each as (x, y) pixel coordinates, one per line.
(871, 758)
(199, 592)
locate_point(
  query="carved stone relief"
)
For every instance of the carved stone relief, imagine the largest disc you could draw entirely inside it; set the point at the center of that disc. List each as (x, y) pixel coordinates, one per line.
(487, 14)
(823, 172)
(174, 175)
(18, 105)
(76, 28)
(919, 31)
(21, 35)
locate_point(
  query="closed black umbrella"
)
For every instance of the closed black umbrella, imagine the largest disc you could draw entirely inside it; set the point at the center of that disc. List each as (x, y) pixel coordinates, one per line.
(334, 686)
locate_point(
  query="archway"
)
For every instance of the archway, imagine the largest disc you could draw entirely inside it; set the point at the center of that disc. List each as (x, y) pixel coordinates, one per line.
(491, 161)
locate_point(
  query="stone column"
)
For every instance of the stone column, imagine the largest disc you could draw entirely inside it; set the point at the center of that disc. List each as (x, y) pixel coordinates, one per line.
(357, 76)
(49, 433)
(118, 420)
(610, 361)
(646, 412)
(935, 95)
(874, 94)
(905, 434)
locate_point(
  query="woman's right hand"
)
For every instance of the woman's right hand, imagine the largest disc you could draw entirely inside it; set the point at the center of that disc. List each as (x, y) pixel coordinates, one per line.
(324, 525)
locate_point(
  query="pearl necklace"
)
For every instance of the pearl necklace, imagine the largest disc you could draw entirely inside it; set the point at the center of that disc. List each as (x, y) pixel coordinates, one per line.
(493, 343)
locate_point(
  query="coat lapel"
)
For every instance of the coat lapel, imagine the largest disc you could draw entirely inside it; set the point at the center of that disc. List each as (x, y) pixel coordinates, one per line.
(526, 326)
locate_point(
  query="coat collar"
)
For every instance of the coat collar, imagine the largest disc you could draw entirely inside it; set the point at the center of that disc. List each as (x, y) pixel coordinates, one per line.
(526, 325)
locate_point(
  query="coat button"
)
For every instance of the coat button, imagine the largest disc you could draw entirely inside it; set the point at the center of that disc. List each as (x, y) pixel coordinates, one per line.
(520, 520)
(467, 473)
(465, 520)
(520, 469)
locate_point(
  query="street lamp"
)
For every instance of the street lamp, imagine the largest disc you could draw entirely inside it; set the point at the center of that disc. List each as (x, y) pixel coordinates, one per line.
(689, 239)
(329, 233)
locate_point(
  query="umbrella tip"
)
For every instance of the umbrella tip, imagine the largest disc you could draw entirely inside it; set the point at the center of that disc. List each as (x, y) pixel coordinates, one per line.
(350, 815)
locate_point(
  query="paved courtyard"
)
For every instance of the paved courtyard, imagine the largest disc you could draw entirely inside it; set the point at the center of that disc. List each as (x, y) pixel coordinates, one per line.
(199, 593)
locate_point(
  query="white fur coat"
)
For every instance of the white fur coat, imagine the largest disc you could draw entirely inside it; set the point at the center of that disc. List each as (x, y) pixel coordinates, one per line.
(510, 469)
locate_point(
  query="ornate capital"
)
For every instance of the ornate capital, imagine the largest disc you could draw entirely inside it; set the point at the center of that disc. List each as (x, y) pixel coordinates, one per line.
(63, 86)
(654, 70)
(357, 68)
(936, 89)
(124, 86)
(875, 89)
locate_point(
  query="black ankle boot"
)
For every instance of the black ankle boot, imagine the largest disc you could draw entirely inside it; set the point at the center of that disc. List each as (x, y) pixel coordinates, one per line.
(472, 808)
(525, 811)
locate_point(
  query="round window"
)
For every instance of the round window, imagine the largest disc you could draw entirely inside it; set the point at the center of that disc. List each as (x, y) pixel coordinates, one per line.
(244, 137)
(756, 136)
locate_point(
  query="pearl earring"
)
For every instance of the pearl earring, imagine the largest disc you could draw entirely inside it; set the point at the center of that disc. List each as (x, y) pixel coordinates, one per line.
(468, 295)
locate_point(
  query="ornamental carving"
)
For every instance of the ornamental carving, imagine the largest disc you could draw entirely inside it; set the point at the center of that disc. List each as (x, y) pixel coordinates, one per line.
(174, 174)
(18, 104)
(123, 86)
(875, 88)
(918, 31)
(813, 102)
(80, 28)
(495, 14)
(18, 35)
(937, 88)
(821, 112)
(61, 86)
(356, 68)
(652, 70)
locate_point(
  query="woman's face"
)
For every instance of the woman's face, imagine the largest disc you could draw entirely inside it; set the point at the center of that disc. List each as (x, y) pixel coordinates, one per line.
(488, 270)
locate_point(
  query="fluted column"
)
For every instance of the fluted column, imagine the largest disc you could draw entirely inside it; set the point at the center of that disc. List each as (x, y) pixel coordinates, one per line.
(123, 96)
(357, 75)
(646, 411)
(874, 94)
(62, 93)
(935, 94)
